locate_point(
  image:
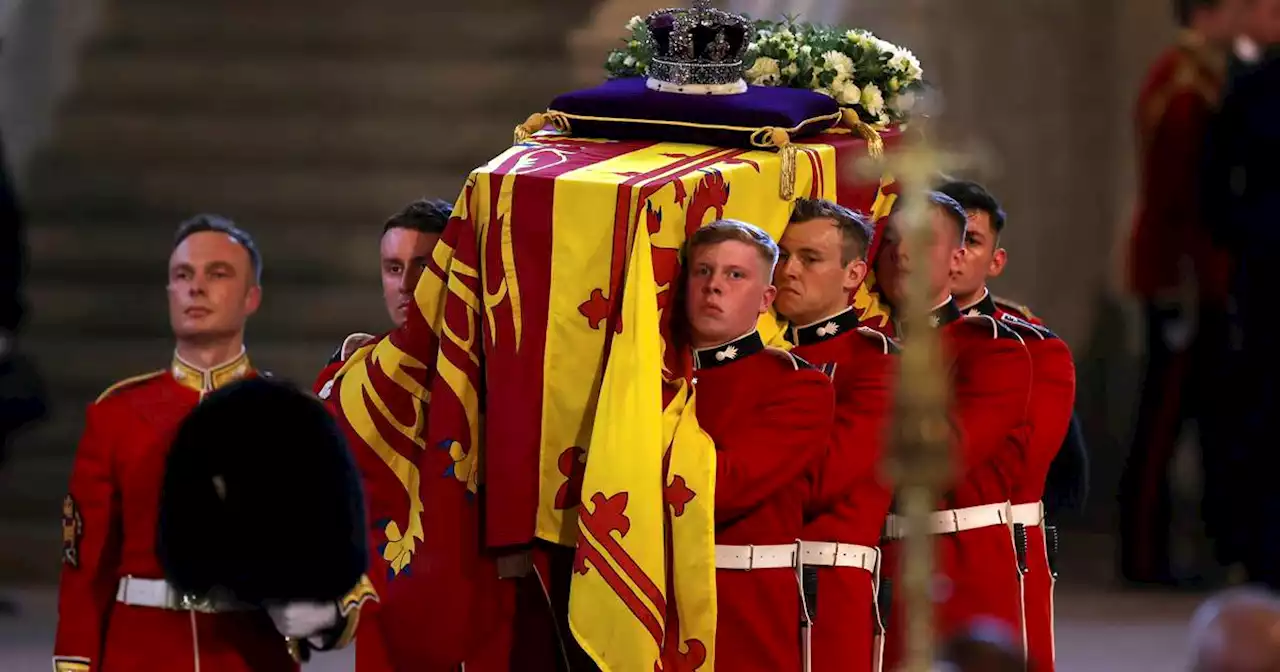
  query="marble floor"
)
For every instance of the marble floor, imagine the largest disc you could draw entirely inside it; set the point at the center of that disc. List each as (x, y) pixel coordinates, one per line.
(1100, 628)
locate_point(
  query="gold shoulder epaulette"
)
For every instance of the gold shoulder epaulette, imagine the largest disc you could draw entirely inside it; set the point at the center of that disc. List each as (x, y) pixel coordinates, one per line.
(127, 382)
(1015, 307)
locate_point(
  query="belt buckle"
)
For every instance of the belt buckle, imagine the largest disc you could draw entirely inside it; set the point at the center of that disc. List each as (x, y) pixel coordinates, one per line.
(191, 602)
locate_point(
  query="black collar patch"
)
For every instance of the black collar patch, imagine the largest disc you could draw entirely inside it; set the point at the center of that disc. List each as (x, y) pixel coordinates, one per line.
(825, 329)
(727, 353)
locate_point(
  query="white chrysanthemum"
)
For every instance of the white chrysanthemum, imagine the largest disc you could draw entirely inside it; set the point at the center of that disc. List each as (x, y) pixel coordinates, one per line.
(906, 63)
(635, 23)
(807, 50)
(882, 119)
(629, 61)
(846, 92)
(764, 72)
(858, 38)
(753, 47)
(884, 46)
(839, 63)
(872, 99)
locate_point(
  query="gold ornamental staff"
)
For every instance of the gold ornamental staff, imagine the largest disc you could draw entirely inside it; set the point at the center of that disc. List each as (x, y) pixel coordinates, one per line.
(919, 460)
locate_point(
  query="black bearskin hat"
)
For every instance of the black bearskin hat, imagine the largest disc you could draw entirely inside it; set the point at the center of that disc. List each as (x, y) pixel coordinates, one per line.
(262, 498)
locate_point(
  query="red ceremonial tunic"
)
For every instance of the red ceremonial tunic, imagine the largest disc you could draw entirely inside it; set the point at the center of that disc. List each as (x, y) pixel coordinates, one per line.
(1053, 393)
(770, 416)
(423, 623)
(849, 500)
(109, 532)
(977, 570)
(1177, 100)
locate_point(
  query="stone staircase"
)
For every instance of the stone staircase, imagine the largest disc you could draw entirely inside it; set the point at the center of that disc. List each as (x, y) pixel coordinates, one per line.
(306, 121)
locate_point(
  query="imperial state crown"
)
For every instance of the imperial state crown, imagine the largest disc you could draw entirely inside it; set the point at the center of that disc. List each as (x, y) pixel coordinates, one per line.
(697, 50)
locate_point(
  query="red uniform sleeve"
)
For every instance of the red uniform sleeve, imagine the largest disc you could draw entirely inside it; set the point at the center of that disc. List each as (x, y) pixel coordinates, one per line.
(1052, 403)
(1173, 163)
(992, 391)
(774, 443)
(91, 547)
(863, 405)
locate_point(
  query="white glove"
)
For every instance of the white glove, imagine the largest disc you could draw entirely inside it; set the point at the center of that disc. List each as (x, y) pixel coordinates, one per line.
(303, 619)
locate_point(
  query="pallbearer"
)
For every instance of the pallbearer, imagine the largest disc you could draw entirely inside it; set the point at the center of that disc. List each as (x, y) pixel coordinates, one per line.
(769, 414)
(990, 373)
(1052, 399)
(823, 260)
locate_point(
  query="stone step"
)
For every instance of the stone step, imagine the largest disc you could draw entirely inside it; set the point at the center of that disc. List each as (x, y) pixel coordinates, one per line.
(299, 84)
(288, 311)
(421, 28)
(87, 251)
(30, 554)
(375, 139)
(36, 474)
(252, 195)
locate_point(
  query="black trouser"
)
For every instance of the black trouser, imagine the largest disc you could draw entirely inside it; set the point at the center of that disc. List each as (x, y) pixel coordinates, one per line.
(1258, 507)
(1188, 374)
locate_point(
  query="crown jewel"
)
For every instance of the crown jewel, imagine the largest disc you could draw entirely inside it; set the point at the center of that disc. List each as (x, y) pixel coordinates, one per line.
(699, 46)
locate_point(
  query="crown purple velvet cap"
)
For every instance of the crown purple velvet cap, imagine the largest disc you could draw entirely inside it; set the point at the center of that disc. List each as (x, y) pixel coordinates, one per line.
(699, 45)
(625, 109)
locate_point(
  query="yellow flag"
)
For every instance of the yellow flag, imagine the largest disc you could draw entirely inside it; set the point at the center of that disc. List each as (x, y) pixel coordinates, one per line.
(617, 599)
(690, 494)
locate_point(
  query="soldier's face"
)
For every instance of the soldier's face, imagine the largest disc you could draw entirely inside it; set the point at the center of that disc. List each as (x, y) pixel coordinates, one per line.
(404, 256)
(981, 258)
(212, 289)
(942, 257)
(728, 290)
(812, 280)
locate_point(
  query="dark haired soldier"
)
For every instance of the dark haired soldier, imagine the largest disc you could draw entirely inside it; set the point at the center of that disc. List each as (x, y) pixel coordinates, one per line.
(407, 240)
(1052, 399)
(822, 262)
(1174, 263)
(990, 376)
(116, 611)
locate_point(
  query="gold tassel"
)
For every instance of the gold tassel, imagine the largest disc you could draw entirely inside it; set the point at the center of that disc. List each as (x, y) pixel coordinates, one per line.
(779, 138)
(533, 124)
(538, 121)
(875, 144)
(787, 190)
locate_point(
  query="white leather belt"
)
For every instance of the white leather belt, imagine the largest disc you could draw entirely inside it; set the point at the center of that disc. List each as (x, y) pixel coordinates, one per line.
(747, 558)
(834, 554)
(1030, 514)
(158, 593)
(951, 521)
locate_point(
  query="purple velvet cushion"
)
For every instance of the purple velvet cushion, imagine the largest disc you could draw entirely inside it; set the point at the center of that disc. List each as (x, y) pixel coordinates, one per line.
(624, 109)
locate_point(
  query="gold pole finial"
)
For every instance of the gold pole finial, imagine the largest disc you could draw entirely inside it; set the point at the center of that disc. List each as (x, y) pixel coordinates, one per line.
(919, 461)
